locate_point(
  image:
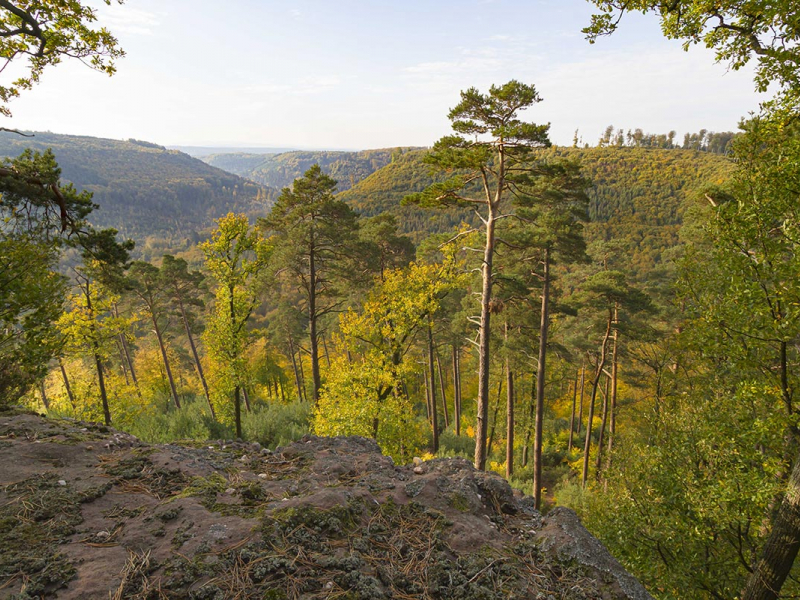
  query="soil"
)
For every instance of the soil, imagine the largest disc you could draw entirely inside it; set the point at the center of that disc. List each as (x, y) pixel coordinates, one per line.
(89, 512)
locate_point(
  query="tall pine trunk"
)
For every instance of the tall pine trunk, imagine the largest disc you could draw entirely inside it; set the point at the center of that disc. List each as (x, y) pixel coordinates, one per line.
(612, 426)
(167, 368)
(197, 363)
(601, 361)
(540, 374)
(296, 371)
(456, 390)
(66, 384)
(484, 340)
(442, 387)
(603, 423)
(432, 389)
(312, 324)
(572, 412)
(580, 406)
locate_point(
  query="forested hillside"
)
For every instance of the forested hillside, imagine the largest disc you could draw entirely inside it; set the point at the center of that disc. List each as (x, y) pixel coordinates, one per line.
(637, 196)
(144, 189)
(280, 170)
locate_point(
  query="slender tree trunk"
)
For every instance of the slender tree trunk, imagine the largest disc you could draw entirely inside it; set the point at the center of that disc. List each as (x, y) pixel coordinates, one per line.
(122, 361)
(603, 423)
(325, 349)
(237, 409)
(98, 362)
(580, 406)
(456, 391)
(282, 391)
(246, 399)
(296, 371)
(444, 396)
(432, 389)
(66, 384)
(528, 428)
(125, 349)
(509, 420)
(601, 361)
(102, 383)
(612, 427)
(167, 368)
(43, 392)
(312, 325)
(781, 547)
(540, 375)
(494, 417)
(572, 412)
(197, 363)
(484, 340)
(302, 373)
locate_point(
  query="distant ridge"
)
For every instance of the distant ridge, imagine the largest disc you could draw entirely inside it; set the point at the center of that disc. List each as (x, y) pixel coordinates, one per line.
(144, 189)
(198, 151)
(280, 170)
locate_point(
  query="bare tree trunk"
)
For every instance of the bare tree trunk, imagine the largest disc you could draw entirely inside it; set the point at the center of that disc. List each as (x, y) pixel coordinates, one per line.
(312, 326)
(444, 396)
(102, 383)
(427, 396)
(197, 364)
(484, 339)
(66, 384)
(246, 399)
(302, 373)
(494, 417)
(432, 389)
(572, 412)
(781, 547)
(125, 349)
(325, 349)
(43, 392)
(601, 361)
(237, 410)
(122, 360)
(528, 429)
(580, 406)
(612, 428)
(170, 378)
(296, 371)
(456, 391)
(282, 391)
(509, 420)
(606, 402)
(540, 383)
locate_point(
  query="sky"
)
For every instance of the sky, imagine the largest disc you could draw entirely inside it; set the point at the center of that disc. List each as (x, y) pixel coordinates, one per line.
(357, 74)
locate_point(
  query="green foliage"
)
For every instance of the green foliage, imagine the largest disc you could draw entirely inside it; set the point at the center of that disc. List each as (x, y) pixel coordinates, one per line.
(44, 32)
(690, 493)
(32, 297)
(738, 31)
(638, 197)
(365, 395)
(191, 422)
(275, 424)
(235, 256)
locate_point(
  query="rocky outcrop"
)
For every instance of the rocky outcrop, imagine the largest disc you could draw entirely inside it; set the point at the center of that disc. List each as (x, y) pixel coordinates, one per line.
(88, 512)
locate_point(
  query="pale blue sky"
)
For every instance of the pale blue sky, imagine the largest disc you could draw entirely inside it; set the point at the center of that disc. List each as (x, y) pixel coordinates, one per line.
(374, 73)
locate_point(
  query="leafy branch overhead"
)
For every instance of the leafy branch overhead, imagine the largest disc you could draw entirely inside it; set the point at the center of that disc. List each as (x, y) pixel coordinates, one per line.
(46, 31)
(736, 29)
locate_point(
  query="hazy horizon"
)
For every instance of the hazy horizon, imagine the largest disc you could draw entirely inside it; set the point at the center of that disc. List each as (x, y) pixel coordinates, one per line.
(373, 75)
